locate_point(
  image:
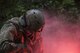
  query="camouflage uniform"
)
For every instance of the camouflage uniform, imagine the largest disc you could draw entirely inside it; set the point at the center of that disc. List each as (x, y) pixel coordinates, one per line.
(12, 39)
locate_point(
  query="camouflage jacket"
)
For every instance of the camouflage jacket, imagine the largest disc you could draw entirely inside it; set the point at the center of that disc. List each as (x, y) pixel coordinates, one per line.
(12, 39)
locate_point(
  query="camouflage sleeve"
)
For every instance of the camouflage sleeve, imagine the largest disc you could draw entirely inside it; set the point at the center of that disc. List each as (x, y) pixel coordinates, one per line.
(38, 45)
(7, 37)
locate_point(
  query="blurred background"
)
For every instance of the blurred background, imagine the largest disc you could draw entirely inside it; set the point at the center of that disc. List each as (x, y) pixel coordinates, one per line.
(12, 8)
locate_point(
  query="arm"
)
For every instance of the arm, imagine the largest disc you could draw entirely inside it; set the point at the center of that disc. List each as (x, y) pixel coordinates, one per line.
(38, 44)
(7, 34)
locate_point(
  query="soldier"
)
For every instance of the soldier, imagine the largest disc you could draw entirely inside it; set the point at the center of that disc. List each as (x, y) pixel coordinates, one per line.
(23, 35)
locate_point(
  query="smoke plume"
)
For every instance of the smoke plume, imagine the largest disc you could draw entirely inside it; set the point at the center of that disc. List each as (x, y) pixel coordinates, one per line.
(60, 36)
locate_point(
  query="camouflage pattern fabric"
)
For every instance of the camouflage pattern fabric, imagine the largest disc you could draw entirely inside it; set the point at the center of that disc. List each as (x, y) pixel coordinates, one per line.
(12, 40)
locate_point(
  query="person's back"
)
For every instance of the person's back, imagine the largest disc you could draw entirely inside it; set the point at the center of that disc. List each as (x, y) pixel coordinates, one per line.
(15, 37)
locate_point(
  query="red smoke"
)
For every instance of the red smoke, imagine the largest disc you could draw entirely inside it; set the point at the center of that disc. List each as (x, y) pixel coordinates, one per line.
(60, 37)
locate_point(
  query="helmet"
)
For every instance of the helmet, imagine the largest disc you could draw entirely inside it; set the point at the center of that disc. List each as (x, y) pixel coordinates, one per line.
(33, 20)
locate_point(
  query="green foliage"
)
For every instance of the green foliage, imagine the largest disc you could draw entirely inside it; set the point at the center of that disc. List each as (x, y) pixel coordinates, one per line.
(12, 8)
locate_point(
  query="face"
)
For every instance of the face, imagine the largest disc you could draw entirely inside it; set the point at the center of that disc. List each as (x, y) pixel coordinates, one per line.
(29, 32)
